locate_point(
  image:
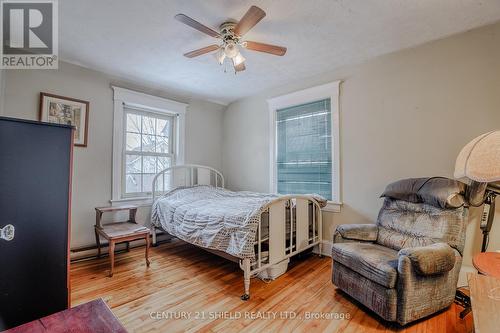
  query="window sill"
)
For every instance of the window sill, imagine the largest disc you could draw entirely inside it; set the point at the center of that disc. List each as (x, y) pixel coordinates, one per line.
(332, 207)
(138, 201)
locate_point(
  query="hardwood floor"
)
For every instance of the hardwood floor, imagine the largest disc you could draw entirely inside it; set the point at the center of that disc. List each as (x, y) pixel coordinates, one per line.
(204, 291)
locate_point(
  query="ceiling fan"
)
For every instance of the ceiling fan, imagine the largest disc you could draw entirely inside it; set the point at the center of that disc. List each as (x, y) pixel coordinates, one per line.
(230, 36)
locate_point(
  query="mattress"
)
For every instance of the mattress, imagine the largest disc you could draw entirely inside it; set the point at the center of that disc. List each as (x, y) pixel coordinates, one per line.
(215, 218)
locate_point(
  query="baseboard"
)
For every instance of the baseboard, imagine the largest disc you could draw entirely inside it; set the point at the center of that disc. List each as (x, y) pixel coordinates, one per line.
(326, 248)
(90, 251)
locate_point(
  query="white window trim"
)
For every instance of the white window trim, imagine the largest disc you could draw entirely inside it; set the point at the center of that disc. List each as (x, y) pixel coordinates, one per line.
(329, 90)
(124, 97)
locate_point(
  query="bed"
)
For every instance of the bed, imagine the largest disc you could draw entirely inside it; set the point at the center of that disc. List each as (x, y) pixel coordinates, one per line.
(259, 231)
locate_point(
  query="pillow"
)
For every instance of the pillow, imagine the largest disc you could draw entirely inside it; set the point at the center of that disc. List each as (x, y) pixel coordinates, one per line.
(436, 191)
(443, 192)
(404, 189)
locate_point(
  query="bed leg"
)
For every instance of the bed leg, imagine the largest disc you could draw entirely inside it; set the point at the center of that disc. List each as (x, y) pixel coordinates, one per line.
(320, 249)
(246, 279)
(153, 233)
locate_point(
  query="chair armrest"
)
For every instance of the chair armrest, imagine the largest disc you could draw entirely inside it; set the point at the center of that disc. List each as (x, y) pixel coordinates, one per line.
(357, 232)
(429, 260)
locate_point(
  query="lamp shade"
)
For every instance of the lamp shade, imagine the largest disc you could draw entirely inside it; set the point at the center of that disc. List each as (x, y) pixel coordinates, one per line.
(238, 59)
(220, 56)
(479, 160)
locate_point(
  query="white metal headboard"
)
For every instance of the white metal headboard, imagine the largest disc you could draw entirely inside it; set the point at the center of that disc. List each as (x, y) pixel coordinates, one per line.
(185, 175)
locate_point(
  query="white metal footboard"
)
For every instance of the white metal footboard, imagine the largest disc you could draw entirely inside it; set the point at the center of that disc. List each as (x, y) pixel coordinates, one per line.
(294, 225)
(288, 225)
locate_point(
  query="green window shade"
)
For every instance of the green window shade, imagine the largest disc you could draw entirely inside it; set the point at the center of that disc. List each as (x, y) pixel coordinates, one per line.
(304, 149)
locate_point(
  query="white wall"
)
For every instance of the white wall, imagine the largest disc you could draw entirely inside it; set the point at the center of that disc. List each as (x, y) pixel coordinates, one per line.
(92, 165)
(204, 133)
(406, 114)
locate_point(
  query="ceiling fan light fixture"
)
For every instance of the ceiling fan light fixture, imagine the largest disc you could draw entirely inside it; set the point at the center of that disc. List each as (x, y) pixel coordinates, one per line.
(238, 59)
(220, 56)
(230, 39)
(231, 50)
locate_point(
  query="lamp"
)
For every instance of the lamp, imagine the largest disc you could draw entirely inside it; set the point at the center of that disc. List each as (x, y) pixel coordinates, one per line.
(238, 59)
(220, 56)
(231, 50)
(479, 161)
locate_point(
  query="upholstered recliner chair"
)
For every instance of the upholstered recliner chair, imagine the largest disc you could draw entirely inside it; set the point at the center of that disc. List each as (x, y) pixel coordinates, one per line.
(405, 266)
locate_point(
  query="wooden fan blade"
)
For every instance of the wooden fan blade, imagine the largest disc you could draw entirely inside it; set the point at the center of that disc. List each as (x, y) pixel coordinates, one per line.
(241, 67)
(196, 25)
(249, 20)
(201, 51)
(267, 48)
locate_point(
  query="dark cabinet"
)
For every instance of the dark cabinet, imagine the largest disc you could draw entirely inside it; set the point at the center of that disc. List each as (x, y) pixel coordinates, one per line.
(35, 194)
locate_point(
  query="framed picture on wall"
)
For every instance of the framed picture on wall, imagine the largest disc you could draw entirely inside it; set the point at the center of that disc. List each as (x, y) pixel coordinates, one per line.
(68, 111)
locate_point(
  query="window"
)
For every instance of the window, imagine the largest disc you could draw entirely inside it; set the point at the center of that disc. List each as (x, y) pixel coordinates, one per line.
(148, 136)
(148, 149)
(305, 143)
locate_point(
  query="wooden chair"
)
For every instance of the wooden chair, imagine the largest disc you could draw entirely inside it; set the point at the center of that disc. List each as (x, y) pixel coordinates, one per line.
(119, 232)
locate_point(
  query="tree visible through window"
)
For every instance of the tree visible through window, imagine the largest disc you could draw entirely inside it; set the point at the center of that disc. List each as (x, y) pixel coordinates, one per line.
(148, 149)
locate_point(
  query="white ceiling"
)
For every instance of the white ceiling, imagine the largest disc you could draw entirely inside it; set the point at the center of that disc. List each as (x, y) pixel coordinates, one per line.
(141, 41)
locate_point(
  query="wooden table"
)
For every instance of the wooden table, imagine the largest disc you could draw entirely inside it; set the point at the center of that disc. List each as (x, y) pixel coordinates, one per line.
(91, 317)
(119, 232)
(484, 294)
(487, 263)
